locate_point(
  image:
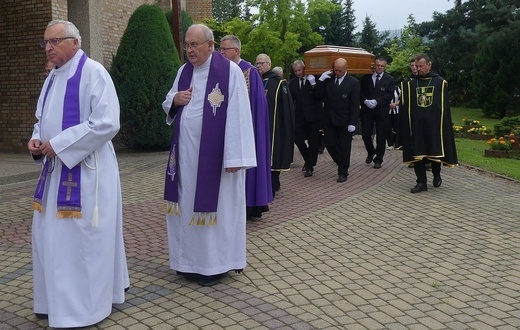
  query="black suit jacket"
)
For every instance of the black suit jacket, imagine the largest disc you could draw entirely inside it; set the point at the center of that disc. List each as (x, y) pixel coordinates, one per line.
(340, 104)
(383, 92)
(307, 104)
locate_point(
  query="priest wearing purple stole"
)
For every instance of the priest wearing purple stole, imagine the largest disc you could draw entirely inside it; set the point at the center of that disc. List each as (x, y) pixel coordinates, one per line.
(258, 180)
(79, 262)
(212, 147)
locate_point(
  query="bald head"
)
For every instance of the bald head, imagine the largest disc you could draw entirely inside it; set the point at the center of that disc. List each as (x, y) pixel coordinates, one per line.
(340, 67)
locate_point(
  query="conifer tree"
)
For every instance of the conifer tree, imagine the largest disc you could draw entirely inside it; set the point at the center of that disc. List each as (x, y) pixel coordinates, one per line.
(143, 71)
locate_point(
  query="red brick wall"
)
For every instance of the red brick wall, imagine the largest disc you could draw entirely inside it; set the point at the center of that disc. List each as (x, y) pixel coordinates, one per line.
(21, 68)
(199, 9)
(23, 23)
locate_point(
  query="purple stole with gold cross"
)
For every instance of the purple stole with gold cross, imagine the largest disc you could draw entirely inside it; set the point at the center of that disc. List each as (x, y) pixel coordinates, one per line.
(69, 191)
(211, 152)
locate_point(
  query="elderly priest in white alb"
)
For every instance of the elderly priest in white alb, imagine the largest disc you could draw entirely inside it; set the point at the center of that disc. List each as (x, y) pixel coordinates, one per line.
(213, 145)
(79, 261)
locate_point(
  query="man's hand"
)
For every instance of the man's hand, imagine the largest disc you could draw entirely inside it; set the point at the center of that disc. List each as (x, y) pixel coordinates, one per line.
(326, 75)
(47, 150)
(182, 97)
(232, 169)
(34, 147)
(311, 79)
(351, 128)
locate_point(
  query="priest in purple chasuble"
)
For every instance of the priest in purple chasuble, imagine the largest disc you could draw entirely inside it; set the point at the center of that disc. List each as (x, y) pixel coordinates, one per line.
(258, 180)
(79, 262)
(212, 147)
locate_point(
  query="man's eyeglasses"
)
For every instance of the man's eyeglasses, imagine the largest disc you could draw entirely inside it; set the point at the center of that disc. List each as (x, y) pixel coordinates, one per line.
(260, 63)
(53, 41)
(226, 48)
(192, 45)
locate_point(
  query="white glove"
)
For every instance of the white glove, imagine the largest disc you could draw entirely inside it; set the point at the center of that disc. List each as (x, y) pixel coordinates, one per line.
(325, 75)
(370, 103)
(351, 128)
(311, 79)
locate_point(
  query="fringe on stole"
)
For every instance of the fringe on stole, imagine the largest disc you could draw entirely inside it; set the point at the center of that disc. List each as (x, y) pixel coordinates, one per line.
(198, 218)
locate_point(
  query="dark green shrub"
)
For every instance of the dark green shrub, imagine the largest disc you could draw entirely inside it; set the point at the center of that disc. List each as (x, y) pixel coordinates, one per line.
(506, 125)
(186, 21)
(143, 71)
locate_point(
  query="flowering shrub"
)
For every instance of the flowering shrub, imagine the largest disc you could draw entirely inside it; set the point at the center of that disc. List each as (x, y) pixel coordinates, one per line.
(457, 128)
(479, 130)
(466, 121)
(501, 143)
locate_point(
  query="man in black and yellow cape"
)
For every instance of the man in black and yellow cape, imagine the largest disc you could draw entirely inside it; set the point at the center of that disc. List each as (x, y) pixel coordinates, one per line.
(425, 126)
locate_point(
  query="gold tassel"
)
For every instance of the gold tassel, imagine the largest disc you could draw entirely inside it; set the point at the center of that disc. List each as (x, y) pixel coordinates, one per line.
(69, 215)
(192, 222)
(37, 207)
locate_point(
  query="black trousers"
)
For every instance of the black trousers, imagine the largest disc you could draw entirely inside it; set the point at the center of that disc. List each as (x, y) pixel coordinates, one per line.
(381, 120)
(338, 142)
(309, 131)
(392, 129)
(420, 170)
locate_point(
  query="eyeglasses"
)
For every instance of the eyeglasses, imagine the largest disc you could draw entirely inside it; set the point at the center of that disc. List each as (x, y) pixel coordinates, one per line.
(260, 63)
(53, 41)
(226, 48)
(193, 45)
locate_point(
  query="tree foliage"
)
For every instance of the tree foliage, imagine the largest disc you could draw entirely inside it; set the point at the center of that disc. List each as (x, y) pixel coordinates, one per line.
(495, 73)
(285, 29)
(143, 71)
(373, 40)
(463, 34)
(403, 48)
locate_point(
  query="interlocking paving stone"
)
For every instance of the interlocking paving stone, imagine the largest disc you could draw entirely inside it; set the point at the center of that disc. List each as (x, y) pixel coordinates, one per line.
(366, 254)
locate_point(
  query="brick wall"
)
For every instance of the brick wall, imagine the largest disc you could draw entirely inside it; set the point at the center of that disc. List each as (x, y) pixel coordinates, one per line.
(23, 23)
(199, 9)
(21, 69)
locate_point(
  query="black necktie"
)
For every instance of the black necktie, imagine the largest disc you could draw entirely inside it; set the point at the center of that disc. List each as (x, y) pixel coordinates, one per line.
(337, 82)
(377, 79)
(302, 82)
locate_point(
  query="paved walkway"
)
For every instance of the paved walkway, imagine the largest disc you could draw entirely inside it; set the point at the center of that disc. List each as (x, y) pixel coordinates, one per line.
(366, 254)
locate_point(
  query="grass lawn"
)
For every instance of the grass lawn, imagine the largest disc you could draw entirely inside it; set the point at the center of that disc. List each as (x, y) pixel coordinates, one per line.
(471, 152)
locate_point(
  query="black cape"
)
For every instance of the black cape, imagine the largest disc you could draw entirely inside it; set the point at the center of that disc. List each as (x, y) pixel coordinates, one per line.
(281, 120)
(425, 124)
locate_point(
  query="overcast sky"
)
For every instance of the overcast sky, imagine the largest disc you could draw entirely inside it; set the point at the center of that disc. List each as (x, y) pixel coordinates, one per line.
(392, 14)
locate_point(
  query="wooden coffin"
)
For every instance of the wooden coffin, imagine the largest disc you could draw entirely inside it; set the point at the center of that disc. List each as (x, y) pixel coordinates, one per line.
(321, 58)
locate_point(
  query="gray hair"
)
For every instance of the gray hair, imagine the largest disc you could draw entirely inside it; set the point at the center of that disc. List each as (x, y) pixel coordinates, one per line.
(208, 34)
(265, 56)
(70, 29)
(235, 42)
(298, 62)
(278, 70)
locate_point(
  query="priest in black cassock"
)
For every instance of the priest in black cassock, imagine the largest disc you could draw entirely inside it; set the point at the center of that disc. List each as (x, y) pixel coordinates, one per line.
(425, 125)
(281, 119)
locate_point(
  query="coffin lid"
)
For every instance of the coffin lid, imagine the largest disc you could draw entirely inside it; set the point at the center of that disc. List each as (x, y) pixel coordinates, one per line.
(322, 57)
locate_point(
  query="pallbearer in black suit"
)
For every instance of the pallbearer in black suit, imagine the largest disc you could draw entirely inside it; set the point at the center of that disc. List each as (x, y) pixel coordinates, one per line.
(377, 91)
(340, 94)
(308, 111)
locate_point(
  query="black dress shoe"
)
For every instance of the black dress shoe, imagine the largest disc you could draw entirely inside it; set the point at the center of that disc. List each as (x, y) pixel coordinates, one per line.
(308, 173)
(420, 186)
(211, 280)
(369, 159)
(40, 316)
(377, 165)
(437, 181)
(342, 178)
(303, 168)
